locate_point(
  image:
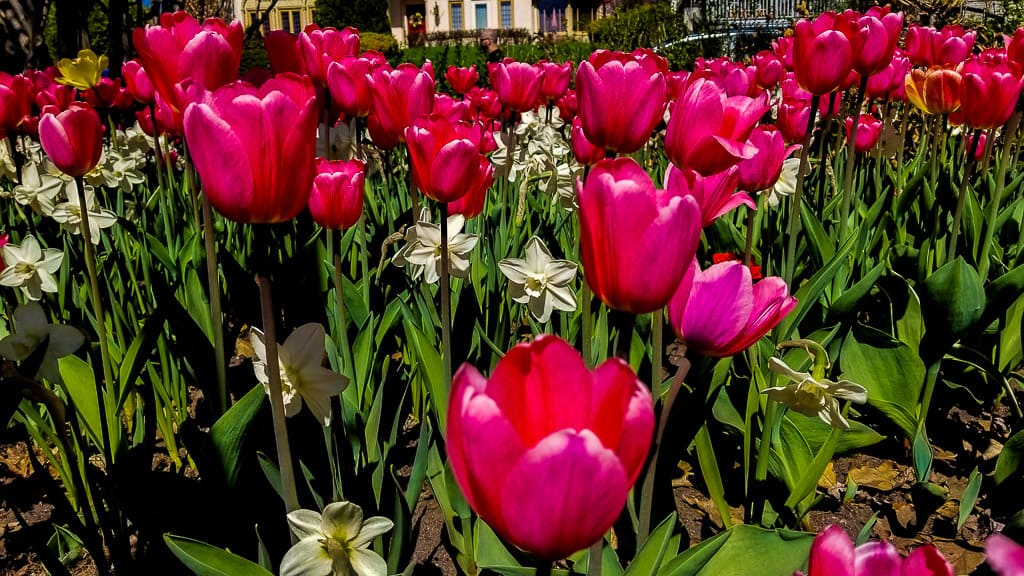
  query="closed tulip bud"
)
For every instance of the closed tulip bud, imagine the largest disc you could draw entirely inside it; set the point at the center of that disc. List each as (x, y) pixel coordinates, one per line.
(452, 109)
(483, 103)
(336, 200)
(675, 84)
(762, 171)
(930, 47)
(621, 98)
(1015, 46)
(890, 82)
(823, 52)
(869, 130)
(400, 96)
(546, 450)
(935, 90)
(720, 312)
(445, 157)
(716, 194)
(16, 94)
(979, 148)
(253, 147)
(707, 131)
(347, 80)
(57, 95)
(988, 93)
(875, 38)
(783, 49)
(72, 139)
(793, 116)
(1005, 556)
(567, 106)
(636, 241)
(462, 80)
(137, 81)
(321, 46)
(555, 80)
(833, 552)
(517, 84)
(585, 152)
(284, 52)
(107, 94)
(769, 69)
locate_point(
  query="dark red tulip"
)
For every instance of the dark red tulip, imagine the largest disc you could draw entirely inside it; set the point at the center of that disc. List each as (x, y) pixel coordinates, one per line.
(823, 52)
(462, 80)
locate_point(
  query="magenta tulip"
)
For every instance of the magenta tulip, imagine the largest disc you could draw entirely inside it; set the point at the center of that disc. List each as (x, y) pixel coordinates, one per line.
(1015, 46)
(833, 554)
(890, 82)
(823, 52)
(445, 157)
(400, 96)
(348, 82)
(15, 100)
(471, 204)
(545, 450)
(636, 241)
(137, 82)
(462, 80)
(927, 46)
(762, 171)
(716, 194)
(567, 106)
(320, 47)
(1005, 556)
(336, 200)
(555, 80)
(585, 152)
(988, 93)
(253, 147)
(72, 139)
(793, 116)
(621, 99)
(708, 131)
(483, 104)
(720, 311)
(869, 130)
(517, 84)
(769, 69)
(875, 37)
(452, 109)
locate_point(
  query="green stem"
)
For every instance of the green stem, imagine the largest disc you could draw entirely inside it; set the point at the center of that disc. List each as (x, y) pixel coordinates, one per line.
(794, 219)
(596, 557)
(446, 312)
(213, 281)
(851, 158)
(962, 194)
(363, 257)
(763, 454)
(749, 248)
(340, 321)
(900, 147)
(1009, 135)
(101, 324)
(284, 454)
(930, 379)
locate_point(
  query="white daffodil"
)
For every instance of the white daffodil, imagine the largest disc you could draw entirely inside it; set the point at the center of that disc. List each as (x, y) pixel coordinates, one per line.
(786, 185)
(423, 248)
(303, 377)
(39, 190)
(31, 330)
(335, 543)
(815, 396)
(539, 281)
(70, 214)
(7, 168)
(31, 267)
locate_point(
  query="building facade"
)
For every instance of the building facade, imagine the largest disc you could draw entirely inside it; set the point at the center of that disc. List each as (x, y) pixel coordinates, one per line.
(290, 15)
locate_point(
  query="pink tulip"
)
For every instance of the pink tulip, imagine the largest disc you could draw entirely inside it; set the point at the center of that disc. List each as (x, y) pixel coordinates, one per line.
(927, 46)
(471, 204)
(567, 106)
(452, 109)
(321, 46)
(400, 96)
(792, 120)
(876, 35)
(769, 69)
(137, 81)
(483, 103)
(823, 52)
(1015, 46)
(72, 139)
(636, 241)
(1005, 556)
(762, 171)
(517, 84)
(675, 84)
(15, 101)
(545, 450)
(284, 53)
(462, 79)
(890, 82)
(445, 157)
(833, 554)
(336, 200)
(585, 152)
(253, 147)
(716, 194)
(347, 80)
(555, 80)
(707, 131)
(783, 48)
(621, 98)
(988, 93)
(869, 130)
(979, 149)
(720, 311)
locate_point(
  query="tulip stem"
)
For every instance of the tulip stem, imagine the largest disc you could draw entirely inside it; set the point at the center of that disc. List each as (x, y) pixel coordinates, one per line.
(763, 454)
(284, 454)
(647, 489)
(962, 194)
(794, 218)
(101, 325)
(446, 311)
(339, 292)
(1009, 135)
(596, 558)
(213, 279)
(749, 248)
(851, 158)
(900, 146)
(415, 195)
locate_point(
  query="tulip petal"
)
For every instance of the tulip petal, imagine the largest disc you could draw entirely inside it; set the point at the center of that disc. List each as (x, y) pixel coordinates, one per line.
(877, 559)
(832, 554)
(622, 414)
(221, 160)
(719, 307)
(926, 561)
(1005, 556)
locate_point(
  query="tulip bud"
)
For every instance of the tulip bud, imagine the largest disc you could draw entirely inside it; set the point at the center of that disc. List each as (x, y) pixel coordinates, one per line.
(621, 98)
(336, 200)
(72, 139)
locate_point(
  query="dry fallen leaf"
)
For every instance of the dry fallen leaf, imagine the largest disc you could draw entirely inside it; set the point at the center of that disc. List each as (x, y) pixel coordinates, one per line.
(884, 477)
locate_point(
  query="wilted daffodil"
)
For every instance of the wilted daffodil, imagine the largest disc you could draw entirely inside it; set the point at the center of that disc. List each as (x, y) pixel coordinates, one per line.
(423, 248)
(38, 190)
(785, 186)
(31, 330)
(303, 377)
(70, 214)
(815, 395)
(335, 543)
(83, 72)
(31, 267)
(541, 282)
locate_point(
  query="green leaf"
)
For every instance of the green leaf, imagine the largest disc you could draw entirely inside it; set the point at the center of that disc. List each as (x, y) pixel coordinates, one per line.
(430, 371)
(922, 455)
(819, 240)
(744, 550)
(648, 560)
(1001, 294)
(969, 498)
(138, 353)
(851, 297)
(205, 560)
(808, 294)
(228, 433)
(1010, 459)
(892, 373)
(490, 551)
(952, 299)
(81, 387)
(711, 474)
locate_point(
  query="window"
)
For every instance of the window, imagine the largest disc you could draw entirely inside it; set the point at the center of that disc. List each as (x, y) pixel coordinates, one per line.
(254, 20)
(505, 7)
(481, 16)
(455, 14)
(291, 21)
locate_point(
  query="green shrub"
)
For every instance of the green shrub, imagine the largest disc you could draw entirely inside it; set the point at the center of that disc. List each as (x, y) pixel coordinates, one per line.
(650, 26)
(383, 43)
